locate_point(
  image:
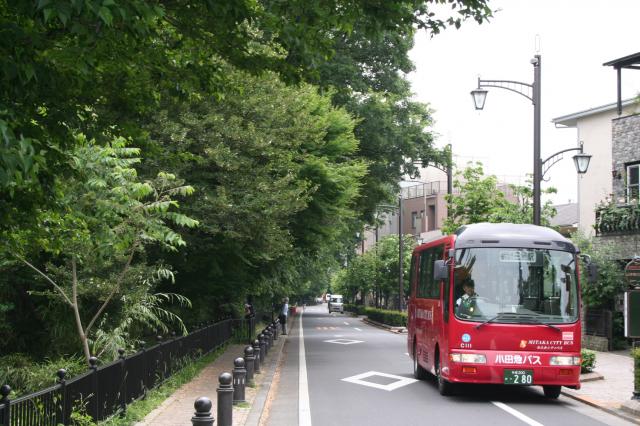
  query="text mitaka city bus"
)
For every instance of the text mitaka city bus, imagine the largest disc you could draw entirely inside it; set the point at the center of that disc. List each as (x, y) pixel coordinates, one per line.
(496, 303)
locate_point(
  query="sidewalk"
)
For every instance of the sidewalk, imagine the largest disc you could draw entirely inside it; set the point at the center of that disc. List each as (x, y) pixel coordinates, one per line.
(610, 386)
(178, 409)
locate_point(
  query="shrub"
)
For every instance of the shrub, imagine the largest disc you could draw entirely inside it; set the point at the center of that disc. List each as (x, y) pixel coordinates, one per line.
(356, 309)
(635, 352)
(588, 362)
(25, 376)
(392, 318)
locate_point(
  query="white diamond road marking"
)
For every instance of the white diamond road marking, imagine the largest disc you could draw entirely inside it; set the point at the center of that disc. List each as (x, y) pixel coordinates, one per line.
(344, 341)
(400, 381)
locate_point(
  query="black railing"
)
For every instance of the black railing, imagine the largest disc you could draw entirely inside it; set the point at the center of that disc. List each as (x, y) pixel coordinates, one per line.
(106, 390)
(599, 322)
(617, 219)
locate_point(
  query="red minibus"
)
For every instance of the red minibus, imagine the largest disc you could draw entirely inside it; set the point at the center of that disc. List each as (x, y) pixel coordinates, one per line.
(496, 303)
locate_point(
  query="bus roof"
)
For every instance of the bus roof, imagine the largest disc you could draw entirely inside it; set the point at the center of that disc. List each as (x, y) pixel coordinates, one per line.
(511, 235)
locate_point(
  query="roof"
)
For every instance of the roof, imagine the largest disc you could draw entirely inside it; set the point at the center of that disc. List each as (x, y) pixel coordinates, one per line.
(567, 215)
(571, 120)
(511, 235)
(630, 61)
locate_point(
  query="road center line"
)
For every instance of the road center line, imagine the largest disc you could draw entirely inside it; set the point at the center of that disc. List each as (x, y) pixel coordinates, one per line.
(304, 411)
(528, 420)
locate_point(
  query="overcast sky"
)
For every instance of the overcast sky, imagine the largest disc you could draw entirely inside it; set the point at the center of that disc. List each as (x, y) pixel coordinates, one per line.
(575, 38)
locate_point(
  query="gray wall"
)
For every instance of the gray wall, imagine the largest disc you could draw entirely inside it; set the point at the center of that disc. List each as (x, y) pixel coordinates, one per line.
(625, 149)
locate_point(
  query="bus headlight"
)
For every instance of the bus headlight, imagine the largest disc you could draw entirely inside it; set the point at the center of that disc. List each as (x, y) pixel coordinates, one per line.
(564, 360)
(468, 358)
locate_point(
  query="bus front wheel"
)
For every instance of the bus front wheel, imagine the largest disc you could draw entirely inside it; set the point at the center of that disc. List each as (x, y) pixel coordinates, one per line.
(552, 392)
(444, 387)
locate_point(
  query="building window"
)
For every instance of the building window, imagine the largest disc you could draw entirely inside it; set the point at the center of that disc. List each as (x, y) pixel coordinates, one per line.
(633, 181)
(414, 220)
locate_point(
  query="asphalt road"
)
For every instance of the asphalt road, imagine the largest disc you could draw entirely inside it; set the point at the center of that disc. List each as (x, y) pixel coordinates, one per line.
(357, 374)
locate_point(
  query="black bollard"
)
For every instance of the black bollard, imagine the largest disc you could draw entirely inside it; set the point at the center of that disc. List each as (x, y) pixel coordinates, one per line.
(60, 413)
(249, 363)
(267, 341)
(202, 416)
(275, 328)
(270, 336)
(225, 400)
(263, 349)
(239, 380)
(256, 356)
(5, 390)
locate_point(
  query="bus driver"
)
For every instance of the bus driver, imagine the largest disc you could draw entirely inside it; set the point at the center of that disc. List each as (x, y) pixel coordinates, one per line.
(465, 305)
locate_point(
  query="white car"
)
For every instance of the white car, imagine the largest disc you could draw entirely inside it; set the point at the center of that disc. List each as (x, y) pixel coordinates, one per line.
(335, 303)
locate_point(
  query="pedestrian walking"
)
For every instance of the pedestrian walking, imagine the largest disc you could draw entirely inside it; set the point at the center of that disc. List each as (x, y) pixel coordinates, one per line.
(284, 313)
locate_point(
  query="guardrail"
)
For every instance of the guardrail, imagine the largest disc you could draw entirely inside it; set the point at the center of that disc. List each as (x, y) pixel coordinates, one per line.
(106, 390)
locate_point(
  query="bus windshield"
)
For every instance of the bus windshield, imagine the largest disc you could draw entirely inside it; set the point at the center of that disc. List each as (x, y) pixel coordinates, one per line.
(515, 285)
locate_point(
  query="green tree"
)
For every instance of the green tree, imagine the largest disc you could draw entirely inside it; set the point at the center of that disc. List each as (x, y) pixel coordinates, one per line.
(479, 198)
(376, 271)
(278, 174)
(103, 219)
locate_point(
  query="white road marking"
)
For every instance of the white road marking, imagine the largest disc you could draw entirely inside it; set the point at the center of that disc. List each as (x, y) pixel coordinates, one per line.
(398, 383)
(343, 341)
(528, 420)
(357, 329)
(406, 353)
(304, 410)
(345, 323)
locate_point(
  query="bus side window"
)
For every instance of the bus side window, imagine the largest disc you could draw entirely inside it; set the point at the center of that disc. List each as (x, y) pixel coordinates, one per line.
(413, 274)
(423, 281)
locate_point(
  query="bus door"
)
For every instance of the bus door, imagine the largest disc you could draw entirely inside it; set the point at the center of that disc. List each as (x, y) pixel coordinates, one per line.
(428, 306)
(445, 306)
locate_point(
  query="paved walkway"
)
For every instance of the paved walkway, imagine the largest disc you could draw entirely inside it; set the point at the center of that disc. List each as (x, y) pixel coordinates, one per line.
(610, 386)
(178, 409)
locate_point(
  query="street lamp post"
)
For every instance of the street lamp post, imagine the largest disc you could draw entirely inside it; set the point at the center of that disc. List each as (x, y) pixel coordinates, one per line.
(400, 254)
(533, 93)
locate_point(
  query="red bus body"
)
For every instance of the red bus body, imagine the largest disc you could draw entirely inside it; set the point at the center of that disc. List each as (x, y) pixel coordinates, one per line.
(530, 277)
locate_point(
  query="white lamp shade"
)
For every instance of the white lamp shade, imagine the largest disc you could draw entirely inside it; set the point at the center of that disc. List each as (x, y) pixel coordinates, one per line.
(479, 97)
(582, 162)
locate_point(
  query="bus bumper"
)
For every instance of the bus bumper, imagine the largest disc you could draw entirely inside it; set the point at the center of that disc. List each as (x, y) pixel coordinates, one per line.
(502, 367)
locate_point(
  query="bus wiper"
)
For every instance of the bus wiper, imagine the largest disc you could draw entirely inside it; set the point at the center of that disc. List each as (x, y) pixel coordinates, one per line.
(537, 321)
(492, 319)
(517, 316)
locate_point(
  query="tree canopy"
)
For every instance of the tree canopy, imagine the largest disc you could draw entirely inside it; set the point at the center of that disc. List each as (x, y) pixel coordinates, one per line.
(290, 121)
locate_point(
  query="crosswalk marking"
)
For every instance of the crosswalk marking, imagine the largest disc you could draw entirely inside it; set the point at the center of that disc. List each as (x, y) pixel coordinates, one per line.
(327, 328)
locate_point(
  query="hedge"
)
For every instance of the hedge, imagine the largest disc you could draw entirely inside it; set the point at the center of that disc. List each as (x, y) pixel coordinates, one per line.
(383, 316)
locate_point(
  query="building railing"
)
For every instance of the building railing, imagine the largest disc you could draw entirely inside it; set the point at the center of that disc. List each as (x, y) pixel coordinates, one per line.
(106, 390)
(617, 219)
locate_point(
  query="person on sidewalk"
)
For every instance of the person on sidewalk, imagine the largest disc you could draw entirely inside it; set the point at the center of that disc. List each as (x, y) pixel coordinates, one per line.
(284, 314)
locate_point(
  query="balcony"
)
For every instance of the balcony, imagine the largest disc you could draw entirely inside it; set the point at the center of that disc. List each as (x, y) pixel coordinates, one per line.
(617, 219)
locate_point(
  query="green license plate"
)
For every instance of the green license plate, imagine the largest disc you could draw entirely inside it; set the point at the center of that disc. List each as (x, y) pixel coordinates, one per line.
(518, 377)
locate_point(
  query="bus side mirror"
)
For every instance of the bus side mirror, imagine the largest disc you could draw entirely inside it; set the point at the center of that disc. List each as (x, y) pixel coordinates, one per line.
(592, 269)
(440, 270)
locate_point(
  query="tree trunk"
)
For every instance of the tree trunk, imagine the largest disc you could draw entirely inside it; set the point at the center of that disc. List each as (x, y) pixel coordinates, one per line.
(76, 313)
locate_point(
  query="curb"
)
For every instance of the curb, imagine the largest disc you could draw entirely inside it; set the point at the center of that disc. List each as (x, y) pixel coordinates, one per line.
(590, 377)
(258, 404)
(621, 413)
(397, 330)
(632, 407)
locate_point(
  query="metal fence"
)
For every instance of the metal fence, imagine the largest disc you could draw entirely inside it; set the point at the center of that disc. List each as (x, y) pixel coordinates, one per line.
(106, 390)
(599, 322)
